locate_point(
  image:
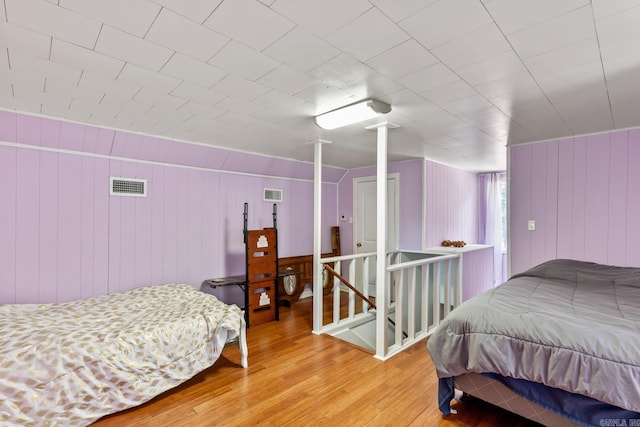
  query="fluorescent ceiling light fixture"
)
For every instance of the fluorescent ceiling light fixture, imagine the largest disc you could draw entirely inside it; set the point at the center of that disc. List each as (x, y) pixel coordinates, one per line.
(354, 113)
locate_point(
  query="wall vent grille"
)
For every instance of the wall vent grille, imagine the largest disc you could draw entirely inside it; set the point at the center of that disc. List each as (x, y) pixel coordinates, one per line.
(128, 187)
(272, 195)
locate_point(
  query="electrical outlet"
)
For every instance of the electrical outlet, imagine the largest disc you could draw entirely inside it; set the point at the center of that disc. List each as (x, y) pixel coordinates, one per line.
(531, 225)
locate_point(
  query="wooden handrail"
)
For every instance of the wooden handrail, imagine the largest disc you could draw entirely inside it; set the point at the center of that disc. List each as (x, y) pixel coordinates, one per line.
(358, 293)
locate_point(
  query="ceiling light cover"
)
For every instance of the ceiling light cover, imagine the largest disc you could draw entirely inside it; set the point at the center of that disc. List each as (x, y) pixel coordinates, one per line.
(353, 113)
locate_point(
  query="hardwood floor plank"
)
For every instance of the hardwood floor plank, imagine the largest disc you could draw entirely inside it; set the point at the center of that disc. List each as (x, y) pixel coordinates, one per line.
(297, 378)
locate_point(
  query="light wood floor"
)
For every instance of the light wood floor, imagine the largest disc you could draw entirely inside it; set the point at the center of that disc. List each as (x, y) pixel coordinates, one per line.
(296, 378)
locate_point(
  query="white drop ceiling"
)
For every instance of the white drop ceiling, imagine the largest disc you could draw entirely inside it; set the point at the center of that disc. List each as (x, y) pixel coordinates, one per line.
(464, 77)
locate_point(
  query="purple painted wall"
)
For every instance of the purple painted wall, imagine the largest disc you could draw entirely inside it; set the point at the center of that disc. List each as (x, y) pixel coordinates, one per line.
(410, 203)
(62, 236)
(451, 204)
(581, 192)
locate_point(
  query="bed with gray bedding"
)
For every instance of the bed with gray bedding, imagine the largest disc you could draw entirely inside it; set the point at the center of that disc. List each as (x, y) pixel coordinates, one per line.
(567, 325)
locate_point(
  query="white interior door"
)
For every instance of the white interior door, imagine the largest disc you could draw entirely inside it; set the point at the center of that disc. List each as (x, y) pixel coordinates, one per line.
(365, 199)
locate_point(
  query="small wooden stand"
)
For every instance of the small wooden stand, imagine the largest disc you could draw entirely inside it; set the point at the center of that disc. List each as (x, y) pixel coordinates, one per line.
(262, 272)
(262, 276)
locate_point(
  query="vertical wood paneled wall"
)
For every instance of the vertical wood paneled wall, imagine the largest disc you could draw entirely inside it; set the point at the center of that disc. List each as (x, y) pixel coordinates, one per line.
(477, 272)
(451, 204)
(410, 193)
(62, 237)
(582, 193)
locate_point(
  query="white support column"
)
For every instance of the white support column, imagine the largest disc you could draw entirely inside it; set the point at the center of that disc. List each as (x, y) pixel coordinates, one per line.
(382, 311)
(317, 238)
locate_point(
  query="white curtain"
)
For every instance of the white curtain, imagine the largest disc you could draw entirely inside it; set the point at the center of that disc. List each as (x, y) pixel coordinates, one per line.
(491, 226)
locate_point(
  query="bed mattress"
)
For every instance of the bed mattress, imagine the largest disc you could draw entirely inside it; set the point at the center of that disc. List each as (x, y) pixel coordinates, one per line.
(72, 363)
(566, 324)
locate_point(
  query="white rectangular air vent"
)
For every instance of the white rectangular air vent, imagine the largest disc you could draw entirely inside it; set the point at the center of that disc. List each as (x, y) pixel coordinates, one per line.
(272, 195)
(128, 187)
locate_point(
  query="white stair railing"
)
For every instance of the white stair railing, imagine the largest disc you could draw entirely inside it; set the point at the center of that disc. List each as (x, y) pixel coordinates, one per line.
(420, 288)
(420, 293)
(354, 268)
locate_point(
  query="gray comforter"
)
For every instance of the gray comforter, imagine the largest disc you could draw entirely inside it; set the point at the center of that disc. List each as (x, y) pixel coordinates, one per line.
(567, 324)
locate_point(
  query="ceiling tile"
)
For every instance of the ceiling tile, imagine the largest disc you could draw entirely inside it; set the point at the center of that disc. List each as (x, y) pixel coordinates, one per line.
(42, 67)
(301, 49)
(321, 17)
(121, 88)
(55, 106)
(168, 115)
(418, 111)
(474, 102)
(79, 111)
(191, 92)
(240, 88)
(445, 21)
(625, 104)
(368, 35)
(47, 18)
(132, 16)
(404, 97)
(429, 78)
(325, 97)
(493, 68)
(568, 82)
(595, 94)
(4, 59)
(585, 117)
(373, 86)
(183, 35)
(476, 46)
(449, 92)
(193, 108)
(85, 59)
(244, 61)
(26, 99)
(27, 41)
(287, 80)
(399, 10)
(55, 87)
(196, 10)
(534, 112)
(618, 35)
(249, 22)
(555, 33)
(237, 105)
(402, 59)
(514, 86)
(186, 68)
(130, 107)
(515, 15)
(131, 73)
(36, 82)
(341, 71)
(100, 114)
(147, 98)
(50, 102)
(132, 49)
(606, 8)
(571, 56)
(279, 101)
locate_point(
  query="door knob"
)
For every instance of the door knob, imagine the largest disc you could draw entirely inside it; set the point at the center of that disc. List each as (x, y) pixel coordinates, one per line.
(358, 244)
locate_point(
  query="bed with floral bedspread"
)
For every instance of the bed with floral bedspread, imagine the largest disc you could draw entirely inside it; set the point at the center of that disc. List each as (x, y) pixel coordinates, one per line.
(72, 363)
